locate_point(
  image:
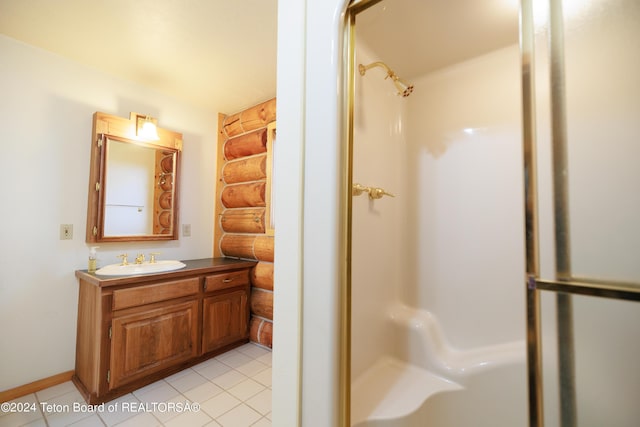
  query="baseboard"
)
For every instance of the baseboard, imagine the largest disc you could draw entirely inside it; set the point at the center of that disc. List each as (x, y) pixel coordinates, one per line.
(35, 386)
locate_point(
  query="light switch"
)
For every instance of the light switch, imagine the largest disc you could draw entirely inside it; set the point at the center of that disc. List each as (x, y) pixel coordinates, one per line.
(66, 231)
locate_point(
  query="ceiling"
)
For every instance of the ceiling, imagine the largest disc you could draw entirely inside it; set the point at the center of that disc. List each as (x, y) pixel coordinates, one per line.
(221, 55)
(414, 37)
(215, 54)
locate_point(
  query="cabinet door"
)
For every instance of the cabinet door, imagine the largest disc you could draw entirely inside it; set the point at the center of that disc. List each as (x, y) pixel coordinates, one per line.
(149, 341)
(225, 319)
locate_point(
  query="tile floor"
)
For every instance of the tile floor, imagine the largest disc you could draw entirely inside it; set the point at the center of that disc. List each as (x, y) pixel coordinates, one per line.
(230, 390)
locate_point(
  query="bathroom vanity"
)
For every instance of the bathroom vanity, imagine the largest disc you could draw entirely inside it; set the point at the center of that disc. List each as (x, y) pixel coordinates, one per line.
(134, 330)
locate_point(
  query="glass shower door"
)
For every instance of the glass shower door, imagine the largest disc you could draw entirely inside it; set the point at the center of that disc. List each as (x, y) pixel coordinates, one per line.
(581, 92)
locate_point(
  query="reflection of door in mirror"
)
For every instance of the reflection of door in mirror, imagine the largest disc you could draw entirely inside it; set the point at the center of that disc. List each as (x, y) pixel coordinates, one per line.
(129, 189)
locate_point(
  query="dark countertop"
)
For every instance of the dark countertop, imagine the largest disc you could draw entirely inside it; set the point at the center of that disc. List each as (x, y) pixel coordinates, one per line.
(193, 267)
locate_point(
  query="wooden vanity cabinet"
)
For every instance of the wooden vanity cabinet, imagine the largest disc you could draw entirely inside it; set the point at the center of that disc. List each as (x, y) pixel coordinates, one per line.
(133, 330)
(225, 309)
(149, 337)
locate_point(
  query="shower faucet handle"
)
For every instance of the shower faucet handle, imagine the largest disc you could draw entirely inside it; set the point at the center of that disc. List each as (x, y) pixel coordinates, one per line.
(374, 192)
(377, 193)
(358, 189)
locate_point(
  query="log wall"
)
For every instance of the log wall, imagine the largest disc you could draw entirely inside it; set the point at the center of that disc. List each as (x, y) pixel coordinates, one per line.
(241, 206)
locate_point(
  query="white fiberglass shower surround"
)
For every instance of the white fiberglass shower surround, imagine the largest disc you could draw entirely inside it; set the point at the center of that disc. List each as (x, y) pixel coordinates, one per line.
(439, 307)
(437, 300)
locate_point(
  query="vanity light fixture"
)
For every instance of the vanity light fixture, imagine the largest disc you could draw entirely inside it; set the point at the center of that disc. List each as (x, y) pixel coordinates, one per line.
(146, 127)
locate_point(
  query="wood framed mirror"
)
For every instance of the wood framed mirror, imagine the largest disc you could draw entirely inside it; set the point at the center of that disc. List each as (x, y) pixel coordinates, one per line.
(133, 181)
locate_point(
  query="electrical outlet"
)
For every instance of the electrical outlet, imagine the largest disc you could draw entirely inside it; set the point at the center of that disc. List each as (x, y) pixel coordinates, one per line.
(186, 230)
(66, 231)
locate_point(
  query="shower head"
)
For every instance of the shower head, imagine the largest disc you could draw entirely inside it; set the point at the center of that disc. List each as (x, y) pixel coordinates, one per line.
(404, 89)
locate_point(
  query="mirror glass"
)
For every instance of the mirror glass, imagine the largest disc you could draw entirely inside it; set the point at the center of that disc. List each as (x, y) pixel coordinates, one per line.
(138, 189)
(133, 182)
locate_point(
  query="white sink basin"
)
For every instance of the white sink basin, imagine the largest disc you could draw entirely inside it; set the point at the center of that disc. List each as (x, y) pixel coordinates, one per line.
(144, 268)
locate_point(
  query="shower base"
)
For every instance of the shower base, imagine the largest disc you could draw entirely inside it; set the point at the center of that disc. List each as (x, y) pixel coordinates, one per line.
(393, 389)
(426, 382)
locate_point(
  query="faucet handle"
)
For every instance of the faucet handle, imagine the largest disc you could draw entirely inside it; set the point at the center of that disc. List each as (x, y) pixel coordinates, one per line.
(358, 189)
(124, 259)
(377, 193)
(152, 257)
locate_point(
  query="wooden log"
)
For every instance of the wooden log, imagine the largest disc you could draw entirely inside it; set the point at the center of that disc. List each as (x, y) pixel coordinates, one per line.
(261, 331)
(164, 219)
(256, 246)
(164, 201)
(259, 116)
(244, 170)
(166, 184)
(246, 145)
(237, 245)
(263, 248)
(262, 275)
(244, 195)
(262, 303)
(250, 119)
(166, 164)
(232, 125)
(243, 220)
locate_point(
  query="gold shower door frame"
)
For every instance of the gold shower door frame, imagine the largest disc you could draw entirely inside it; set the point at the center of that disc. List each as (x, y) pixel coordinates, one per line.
(565, 284)
(347, 107)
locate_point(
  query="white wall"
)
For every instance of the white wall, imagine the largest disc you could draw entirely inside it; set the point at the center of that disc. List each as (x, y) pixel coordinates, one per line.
(309, 94)
(379, 227)
(451, 241)
(46, 112)
(289, 158)
(465, 253)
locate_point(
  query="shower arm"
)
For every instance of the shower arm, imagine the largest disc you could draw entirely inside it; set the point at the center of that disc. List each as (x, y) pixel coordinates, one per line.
(404, 88)
(364, 68)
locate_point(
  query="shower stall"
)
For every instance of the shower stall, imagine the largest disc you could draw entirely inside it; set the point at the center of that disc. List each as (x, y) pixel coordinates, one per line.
(494, 244)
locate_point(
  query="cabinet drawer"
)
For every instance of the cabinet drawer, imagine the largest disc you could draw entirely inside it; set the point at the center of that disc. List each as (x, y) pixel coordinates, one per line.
(226, 280)
(148, 294)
